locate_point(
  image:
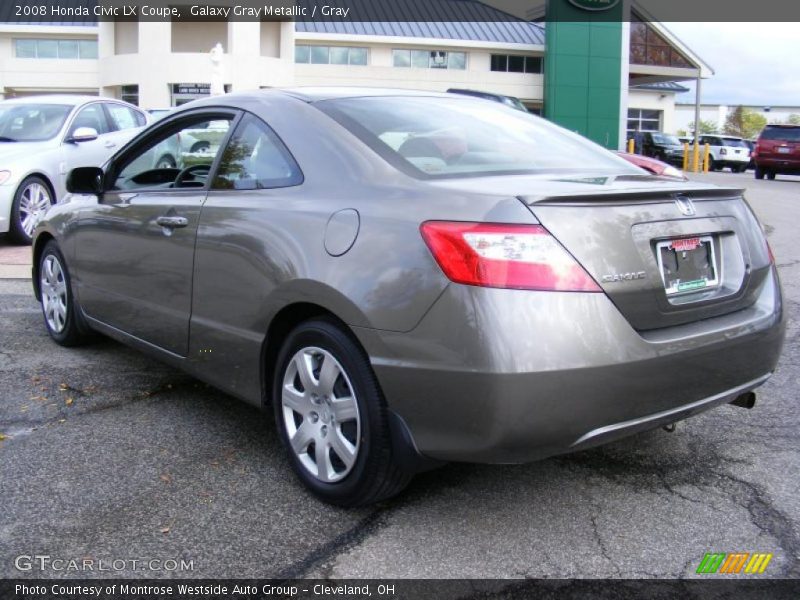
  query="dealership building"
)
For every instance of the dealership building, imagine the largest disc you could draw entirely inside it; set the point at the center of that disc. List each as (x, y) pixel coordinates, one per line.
(602, 78)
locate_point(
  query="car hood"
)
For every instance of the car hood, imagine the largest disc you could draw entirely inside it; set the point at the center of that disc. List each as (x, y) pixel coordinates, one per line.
(536, 188)
(10, 151)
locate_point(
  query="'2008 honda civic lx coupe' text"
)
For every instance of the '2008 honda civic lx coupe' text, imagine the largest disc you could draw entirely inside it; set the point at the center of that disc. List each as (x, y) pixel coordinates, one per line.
(410, 278)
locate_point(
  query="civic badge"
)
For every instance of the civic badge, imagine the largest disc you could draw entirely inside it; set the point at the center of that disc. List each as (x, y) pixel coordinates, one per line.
(685, 205)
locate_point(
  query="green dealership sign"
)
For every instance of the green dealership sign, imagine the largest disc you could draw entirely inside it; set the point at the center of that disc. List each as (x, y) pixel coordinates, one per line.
(583, 76)
(594, 4)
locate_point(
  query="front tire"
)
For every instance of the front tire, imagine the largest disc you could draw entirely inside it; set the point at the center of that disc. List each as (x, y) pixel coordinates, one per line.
(31, 201)
(62, 317)
(332, 417)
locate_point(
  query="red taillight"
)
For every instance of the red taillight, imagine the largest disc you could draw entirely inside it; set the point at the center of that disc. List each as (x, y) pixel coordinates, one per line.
(524, 257)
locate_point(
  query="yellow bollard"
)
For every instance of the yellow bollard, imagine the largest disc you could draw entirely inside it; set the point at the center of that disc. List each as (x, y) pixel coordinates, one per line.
(631, 145)
(686, 156)
(696, 158)
(706, 157)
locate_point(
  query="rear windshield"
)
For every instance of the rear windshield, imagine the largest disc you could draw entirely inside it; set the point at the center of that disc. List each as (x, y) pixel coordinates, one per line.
(788, 134)
(735, 142)
(456, 137)
(666, 140)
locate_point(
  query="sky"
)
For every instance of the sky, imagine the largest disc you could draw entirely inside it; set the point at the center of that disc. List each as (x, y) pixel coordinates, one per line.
(754, 63)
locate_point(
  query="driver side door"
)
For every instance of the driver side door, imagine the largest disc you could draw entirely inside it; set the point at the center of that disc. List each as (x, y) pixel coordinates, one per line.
(135, 246)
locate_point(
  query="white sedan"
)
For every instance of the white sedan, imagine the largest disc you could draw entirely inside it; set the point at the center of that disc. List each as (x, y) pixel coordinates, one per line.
(42, 138)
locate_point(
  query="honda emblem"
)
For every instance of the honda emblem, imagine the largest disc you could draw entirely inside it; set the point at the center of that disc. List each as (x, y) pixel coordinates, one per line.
(685, 205)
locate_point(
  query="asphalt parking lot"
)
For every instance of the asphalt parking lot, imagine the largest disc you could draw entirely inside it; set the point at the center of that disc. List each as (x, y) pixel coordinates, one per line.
(110, 455)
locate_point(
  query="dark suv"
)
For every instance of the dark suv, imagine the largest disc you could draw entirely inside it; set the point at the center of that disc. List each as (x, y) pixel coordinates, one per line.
(662, 146)
(778, 151)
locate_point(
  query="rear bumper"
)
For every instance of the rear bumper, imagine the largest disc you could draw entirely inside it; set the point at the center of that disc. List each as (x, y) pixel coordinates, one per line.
(778, 165)
(506, 376)
(733, 161)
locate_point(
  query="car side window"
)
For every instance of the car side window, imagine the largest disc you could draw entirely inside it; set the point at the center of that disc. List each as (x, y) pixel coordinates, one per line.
(90, 116)
(179, 156)
(123, 117)
(255, 158)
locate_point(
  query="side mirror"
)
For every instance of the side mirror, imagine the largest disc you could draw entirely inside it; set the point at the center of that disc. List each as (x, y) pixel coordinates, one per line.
(85, 180)
(83, 134)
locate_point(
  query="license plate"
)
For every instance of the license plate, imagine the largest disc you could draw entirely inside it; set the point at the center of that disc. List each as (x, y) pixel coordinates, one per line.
(687, 264)
(784, 150)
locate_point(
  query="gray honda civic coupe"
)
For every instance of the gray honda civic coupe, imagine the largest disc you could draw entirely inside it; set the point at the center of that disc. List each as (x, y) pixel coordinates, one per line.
(411, 278)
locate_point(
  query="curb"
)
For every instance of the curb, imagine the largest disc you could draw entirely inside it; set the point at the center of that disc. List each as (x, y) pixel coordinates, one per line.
(15, 271)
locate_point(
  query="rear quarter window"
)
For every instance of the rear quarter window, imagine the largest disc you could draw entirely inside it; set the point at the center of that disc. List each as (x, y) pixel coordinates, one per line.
(786, 134)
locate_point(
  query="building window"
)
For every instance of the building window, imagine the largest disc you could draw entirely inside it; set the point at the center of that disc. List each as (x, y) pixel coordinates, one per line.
(642, 119)
(130, 94)
(429, 59)
(514, 63)
(65, 49)
(649, 48)
(330, 55)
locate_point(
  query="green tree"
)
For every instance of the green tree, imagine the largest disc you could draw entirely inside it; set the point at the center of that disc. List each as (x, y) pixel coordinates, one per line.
(744, 122)
(705, 127)
(793, 119)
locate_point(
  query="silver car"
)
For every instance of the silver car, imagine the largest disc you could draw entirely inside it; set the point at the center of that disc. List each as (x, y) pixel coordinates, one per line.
(42, 138)
(413, 278)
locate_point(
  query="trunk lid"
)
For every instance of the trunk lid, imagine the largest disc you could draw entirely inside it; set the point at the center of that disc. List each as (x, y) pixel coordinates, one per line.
(628, 231)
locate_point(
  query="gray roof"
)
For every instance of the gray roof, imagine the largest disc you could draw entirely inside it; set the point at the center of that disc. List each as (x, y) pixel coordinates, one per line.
(662, 86)
(468, 20)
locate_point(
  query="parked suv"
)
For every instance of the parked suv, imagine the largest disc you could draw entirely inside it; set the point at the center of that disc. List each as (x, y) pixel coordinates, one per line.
(662, 146)
(727, 151)
(778, 151)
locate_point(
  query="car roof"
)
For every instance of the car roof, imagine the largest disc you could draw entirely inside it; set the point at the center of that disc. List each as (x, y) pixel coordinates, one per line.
(317, 93)
(73, 99)
(782, 125)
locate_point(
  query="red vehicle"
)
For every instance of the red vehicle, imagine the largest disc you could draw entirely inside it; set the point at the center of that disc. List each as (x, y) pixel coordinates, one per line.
(653, 165)
(777, 151)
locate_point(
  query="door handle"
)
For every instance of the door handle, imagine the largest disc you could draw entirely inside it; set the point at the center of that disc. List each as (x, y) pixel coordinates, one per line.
(172, 222)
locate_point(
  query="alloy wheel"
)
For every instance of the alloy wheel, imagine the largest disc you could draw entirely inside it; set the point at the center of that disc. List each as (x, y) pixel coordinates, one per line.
(320, 414)
(33, 202)
(53, 288)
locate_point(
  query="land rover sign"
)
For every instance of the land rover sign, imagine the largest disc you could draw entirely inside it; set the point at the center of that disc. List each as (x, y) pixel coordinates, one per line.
(594, 4)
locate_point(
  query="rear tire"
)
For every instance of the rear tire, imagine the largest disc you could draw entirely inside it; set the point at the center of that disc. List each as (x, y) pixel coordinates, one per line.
(200, 147)
(771, 175)
(332, 417)
(62, 316)
(758, 173)
(165, 162)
